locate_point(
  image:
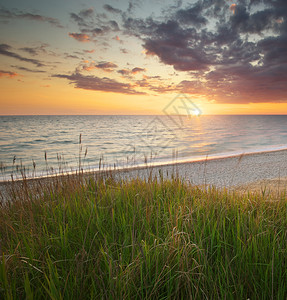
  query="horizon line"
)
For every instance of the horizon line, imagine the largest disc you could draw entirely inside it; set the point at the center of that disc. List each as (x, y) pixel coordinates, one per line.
(46, 115)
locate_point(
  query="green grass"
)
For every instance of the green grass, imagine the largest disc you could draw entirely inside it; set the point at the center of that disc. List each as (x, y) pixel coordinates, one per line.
(157, 239)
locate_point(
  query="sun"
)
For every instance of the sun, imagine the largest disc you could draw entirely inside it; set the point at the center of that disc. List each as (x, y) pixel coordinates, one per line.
(196, 112)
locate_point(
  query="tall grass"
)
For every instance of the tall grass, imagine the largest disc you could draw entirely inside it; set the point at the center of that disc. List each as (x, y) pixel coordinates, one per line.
(102, 238)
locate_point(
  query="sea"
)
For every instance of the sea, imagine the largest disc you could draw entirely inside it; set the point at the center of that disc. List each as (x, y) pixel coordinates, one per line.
(35, 146)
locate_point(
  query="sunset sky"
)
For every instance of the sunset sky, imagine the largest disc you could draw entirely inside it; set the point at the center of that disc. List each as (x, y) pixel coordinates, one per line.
(134, 57)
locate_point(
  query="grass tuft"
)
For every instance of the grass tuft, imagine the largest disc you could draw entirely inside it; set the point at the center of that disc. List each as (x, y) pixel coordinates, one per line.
(80, 238)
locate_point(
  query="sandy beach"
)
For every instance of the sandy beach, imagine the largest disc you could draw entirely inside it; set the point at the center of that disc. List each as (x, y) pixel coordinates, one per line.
(246, 172)
(240, 170)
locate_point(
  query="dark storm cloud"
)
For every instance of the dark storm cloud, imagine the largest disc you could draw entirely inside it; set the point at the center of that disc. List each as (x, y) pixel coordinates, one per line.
(124, 72)
(137, 70)
(93, 24)
(32, 51)
(128, 72)
(262, 84)
(36, 50)
(84, 18)
(106, 65)
(69, 56)
(111, 9)
(99, 84)
(274, 50)
(230, 52)
(192, 15)
(174, 44)
(27, 69)
(114, 25)
(87, 13)
(77, 19)
(238, 50)
(6, 50)
(8, 74)
(16, 14)
(257, 22)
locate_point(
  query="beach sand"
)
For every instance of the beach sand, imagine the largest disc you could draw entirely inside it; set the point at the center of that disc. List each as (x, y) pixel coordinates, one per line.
(256, 171)
(265, 186)
(236, 171)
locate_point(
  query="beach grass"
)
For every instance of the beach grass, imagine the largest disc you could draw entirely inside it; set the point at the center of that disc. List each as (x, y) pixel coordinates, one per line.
(101, 238)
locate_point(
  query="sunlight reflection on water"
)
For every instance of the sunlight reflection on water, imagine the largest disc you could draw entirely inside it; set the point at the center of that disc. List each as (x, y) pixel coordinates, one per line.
(128, 140)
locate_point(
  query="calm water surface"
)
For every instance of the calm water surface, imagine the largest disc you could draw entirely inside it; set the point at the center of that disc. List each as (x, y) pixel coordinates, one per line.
(129, 140)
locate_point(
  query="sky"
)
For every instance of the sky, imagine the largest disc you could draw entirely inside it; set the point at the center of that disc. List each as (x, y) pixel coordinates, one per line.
(73, 57)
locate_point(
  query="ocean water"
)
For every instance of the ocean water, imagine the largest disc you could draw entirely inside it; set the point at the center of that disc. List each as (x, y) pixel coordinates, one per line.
(50, 144)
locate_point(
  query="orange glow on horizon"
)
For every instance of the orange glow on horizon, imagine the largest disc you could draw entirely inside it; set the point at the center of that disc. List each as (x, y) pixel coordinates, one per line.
(56, 98)
(135, 60)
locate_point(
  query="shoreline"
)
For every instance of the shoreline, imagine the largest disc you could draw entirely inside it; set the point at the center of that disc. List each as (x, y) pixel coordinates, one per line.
(229, 171)
(226, 172)
(153, 164)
